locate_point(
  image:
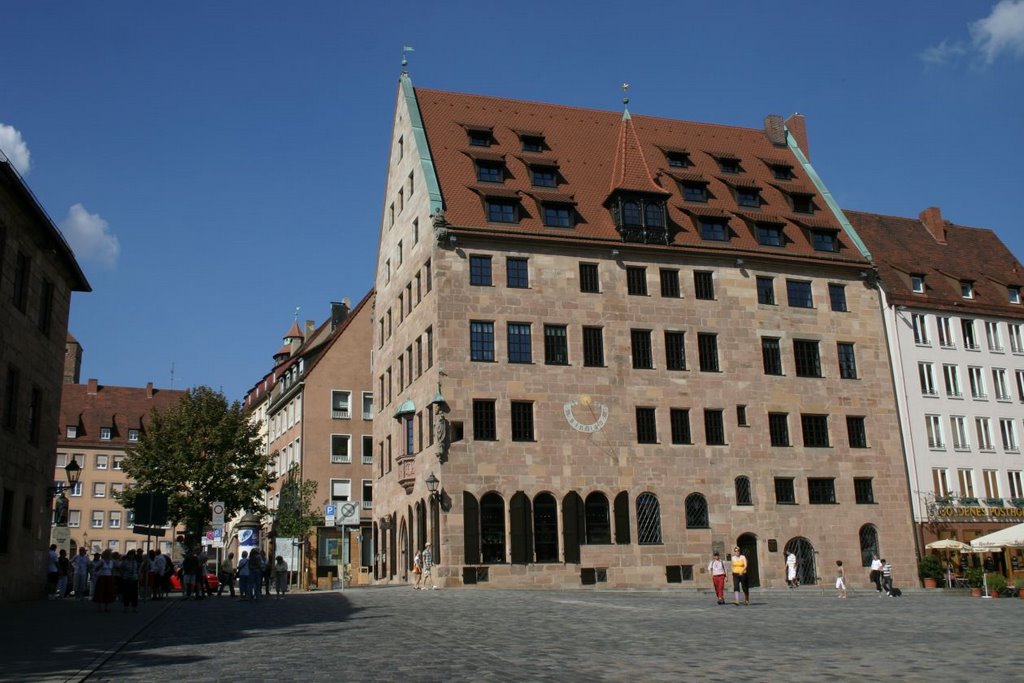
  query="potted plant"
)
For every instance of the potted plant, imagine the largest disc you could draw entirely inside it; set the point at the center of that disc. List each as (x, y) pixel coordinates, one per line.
(996, 584)
(929, 569)
(974, 580)
(1019, 585)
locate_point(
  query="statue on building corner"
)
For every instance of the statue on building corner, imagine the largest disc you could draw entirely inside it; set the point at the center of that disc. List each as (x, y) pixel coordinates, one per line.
(60, 510)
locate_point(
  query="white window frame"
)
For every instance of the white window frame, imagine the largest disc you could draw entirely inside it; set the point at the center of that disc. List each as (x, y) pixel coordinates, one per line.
(977, 381)
(102, 461)
(367, 504)
(345, 459)
(958, 427)
(99, 489)
(1013, 293)
(951, 378)
(74, 519)
(341, 410)
(367, 414)
(76, 489)
(970, 340)
(919, 321)
(965, 477)
(940, 480)
(96, 519)
(366, 454)
(117, 463)
(945, 332)
(133, 435)
(1019, 376)
(933, 425)
(1008, 432)
(71, 432)
(1016, 481)
(926, 375)
(105, 433)
(967, 289)
(917, 284)
(114, 519)
(990, 478)
(116, 487)
(992, 336)
(1013, 331)
(999, 385)
(983, 428)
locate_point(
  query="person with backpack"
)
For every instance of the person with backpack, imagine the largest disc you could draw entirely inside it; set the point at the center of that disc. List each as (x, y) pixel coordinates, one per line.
(255, 575)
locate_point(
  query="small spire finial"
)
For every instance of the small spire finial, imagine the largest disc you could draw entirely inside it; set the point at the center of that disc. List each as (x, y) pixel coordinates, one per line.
(405, 51)
(297, 308)
(625, 93)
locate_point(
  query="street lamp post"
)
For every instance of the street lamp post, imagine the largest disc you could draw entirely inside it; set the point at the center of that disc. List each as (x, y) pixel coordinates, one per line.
(60, 535)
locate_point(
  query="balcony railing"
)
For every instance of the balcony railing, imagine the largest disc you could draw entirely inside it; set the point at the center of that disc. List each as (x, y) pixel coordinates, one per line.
(341, 413)
(367, 504)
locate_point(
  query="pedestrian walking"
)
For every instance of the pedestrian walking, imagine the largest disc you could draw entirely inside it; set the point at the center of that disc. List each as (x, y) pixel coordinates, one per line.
(142, 557)
(255, 574)
(281, 576)
(840, 579)
(105, 589)
(63, 574)
(189, 568)
(887, 577)
(876, 574)
(243, 575)
(740, 580)
(268, 571)
(428, 566)
(80, 573)
(717, 570)
(227, 574)
(52, 571)
(157, 568)
(130, 581)
(791, 579)
(417, 569)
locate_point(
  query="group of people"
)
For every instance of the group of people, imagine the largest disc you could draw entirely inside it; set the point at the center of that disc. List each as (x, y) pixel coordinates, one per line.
(107, 576)
(255, 573)
(740, 578)
(422, 569)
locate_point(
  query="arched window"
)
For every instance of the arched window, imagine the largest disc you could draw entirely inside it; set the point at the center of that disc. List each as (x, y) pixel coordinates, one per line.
(545, 528)
(622, 518)
(654, 215)
(648, 519)
(806, 571)
(599, 528)
(868, 544)
(471, 527)
(492, 529)
(743, 494)
(521, 523)
(696, 512)
(572, 526)
(631, 213)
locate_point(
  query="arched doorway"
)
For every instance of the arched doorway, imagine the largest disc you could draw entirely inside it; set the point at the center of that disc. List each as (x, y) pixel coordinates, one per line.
(806, 563)
(868, 544)
(403, 560)
(748, 546)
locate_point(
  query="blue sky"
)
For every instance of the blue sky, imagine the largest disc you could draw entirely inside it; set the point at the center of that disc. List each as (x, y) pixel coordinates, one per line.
(217, 164)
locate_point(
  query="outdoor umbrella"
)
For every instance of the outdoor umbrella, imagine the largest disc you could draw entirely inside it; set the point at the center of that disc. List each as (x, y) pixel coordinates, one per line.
(1010, 537)
(948, 544)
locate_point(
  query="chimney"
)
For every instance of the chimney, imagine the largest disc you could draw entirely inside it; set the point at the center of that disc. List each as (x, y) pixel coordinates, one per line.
(932, 219)
(339, 312)
(310, 328)
(774, 128)
(149, 390)
(93, 386)
(798, 128)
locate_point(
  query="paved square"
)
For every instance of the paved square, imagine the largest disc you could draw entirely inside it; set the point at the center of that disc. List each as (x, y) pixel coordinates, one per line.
(398, 634)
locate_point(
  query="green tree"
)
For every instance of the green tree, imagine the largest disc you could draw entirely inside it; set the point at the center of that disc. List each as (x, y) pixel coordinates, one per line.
(297, 512)
(199, 451)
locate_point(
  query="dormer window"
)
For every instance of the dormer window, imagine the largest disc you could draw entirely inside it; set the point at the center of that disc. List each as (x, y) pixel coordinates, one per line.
(917, 284)
(640, 219)
(532, 143)
(544, 176)
(730, 165)
(967, 289)
(480, 138)
(695, 192)
(824, 240)
(71, 432)
(748, 196)
(502, 211)
(1014, 295)
(105, 433)
(802, 203)
(490, 172)
(782, 172)
(559, 216)
(715, 229)
(770, 234)
(678, 159)
(133, 435)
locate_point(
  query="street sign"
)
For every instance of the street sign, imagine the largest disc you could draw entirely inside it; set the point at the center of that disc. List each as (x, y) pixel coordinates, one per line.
(148, 530)
(348, 513)
(218, 513)
(330, 510)
(218, 538)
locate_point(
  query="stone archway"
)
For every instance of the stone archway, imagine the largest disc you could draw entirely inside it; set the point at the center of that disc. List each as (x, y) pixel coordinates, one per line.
(806, 560)
(403, 549)
(748, 546)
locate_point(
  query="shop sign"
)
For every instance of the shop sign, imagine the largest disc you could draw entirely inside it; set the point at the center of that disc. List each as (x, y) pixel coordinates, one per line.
(979, 512)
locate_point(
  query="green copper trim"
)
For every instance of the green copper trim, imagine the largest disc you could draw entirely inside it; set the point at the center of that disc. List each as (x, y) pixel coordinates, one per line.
(829, 199)
(426, 162)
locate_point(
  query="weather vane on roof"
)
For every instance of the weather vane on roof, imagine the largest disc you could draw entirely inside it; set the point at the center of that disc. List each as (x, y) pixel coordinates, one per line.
(405, 51)
(297, 313)
(625, 93)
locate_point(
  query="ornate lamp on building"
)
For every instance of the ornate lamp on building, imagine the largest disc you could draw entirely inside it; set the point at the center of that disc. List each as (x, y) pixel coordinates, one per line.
(60, 512)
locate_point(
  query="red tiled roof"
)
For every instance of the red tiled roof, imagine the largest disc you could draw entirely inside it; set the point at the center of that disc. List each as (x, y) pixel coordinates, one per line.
(121, 408)
(598, 151)
(904, 246)
(295, 331)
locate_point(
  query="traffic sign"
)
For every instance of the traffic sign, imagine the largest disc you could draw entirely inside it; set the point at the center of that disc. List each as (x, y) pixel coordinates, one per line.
(348, 513)
(218, 513)
(330, 510)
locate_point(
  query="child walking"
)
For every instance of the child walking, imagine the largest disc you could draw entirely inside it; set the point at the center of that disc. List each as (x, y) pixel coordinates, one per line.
(840, 579)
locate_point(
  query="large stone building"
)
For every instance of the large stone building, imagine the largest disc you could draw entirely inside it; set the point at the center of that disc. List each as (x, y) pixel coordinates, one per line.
(38, 273)
(954, 316)
(615, 344)
(98, 424)
(319, 416)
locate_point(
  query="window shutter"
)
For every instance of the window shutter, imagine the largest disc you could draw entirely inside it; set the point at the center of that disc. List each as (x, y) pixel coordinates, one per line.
(572, 526)
(471, 514)
(622, 518)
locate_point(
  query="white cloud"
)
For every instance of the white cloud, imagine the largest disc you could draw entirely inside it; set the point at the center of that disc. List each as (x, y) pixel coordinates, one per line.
(14, 148)
(943, 52)
(90, 237)
(1000, 32)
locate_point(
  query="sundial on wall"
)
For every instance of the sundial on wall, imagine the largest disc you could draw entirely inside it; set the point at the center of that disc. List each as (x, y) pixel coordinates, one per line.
(585, 415)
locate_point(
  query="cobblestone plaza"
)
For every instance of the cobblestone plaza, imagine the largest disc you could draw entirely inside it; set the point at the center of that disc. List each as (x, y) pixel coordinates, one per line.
(398, 634)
